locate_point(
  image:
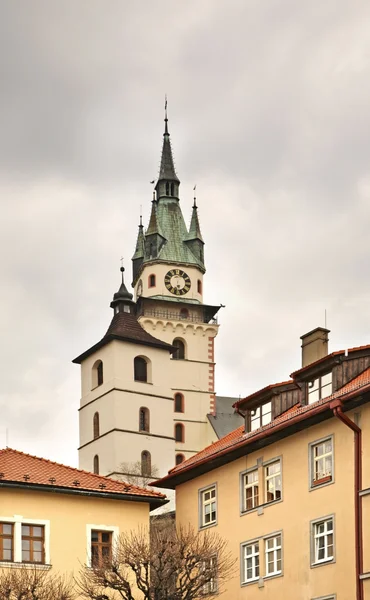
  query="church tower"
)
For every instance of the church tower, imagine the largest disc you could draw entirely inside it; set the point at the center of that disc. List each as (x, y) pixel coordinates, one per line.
(147, 387)
(168, 271)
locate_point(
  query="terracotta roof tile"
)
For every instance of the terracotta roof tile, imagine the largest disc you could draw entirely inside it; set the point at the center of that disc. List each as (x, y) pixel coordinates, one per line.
(16, 466)
(238, 437)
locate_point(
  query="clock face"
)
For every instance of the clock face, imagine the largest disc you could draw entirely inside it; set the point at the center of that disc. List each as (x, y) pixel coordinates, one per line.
(177, 282)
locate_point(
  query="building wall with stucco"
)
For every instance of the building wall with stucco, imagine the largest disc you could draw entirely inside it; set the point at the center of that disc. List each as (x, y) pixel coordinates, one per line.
(292, 515)
(68, 520)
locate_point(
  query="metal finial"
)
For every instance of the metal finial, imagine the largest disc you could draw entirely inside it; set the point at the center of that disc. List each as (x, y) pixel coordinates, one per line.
(195, 196)
(165, 116)
(122, 268)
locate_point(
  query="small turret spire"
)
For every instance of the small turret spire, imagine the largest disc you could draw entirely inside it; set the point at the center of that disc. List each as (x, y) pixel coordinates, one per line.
(122, 300)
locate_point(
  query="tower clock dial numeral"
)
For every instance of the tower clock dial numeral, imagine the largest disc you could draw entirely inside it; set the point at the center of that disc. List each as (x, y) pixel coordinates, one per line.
(177, 282)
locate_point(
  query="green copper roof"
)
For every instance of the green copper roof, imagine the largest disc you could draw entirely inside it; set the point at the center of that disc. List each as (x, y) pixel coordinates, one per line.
(167, 168)
(194, 229)
(139, 250)
(167, 238)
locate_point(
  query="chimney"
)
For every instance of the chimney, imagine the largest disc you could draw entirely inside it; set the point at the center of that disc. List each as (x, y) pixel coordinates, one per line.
(315, 345)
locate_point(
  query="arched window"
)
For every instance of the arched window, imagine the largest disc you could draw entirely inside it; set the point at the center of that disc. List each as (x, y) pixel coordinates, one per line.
(167, 188)
(97, 374)
(144, 419)
(179, 432)
(180, 349)
(140, 369)
(179, 458)
(199, 286)
(146, 463)
(179, 403)
(172, 189)
(184, 313)
(96, 464)
(96, 425)
(151, 280)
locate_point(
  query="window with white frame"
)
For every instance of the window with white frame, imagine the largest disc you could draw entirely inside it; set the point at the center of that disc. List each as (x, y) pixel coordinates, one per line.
(24, 540)
(273, 481)
(321, 462)
(250, 490)
(208, 506)
(210, 573)
(273, 555)
(261, 416)
(250, 562)
(322, 540)
(320, 388)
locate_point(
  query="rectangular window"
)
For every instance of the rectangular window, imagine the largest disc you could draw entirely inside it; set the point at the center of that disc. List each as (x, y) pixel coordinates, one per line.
(321, 462)
(33, 544)
(6, 542)
(261, 416)
(101, 547)
(250, 490)
(251, 562)
(320, 388)
(210, 572)
(208, 506)
(322, 539)
(273, 481)
(273, 555)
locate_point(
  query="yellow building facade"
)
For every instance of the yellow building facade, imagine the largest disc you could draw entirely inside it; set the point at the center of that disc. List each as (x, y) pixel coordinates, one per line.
(56, 517)
(291, 491)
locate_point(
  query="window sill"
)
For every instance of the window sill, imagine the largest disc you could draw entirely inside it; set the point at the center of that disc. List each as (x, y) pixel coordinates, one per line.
(272, 575)
(263, 506)
(250, 581)
(139, 381)
(202, 527)
(321, 483)
(24, 565)
(322, 563)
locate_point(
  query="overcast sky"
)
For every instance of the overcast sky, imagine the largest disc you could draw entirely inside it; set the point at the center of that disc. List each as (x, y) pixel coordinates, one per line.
(269, 115)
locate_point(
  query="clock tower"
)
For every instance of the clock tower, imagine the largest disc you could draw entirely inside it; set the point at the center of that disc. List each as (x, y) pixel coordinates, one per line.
(168, 271)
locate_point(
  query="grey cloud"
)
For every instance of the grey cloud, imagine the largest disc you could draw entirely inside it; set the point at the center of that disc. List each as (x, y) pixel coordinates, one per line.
(268, 107)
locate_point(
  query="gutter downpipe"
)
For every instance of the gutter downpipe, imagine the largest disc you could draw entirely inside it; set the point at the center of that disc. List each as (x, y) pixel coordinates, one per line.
(337, 408)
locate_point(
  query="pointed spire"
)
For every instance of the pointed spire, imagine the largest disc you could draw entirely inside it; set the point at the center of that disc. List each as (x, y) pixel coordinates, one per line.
(167, 168)
(139, 250)
(153, 226)
(194, 229)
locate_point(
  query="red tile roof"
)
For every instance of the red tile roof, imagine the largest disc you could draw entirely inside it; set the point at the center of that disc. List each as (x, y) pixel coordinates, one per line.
(238, 438)
(18, 467)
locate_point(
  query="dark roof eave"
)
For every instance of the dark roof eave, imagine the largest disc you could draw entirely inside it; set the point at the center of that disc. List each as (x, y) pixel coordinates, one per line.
(109, 338)
(264, 438)
(264, 395)
(153, 502)
(181, 301)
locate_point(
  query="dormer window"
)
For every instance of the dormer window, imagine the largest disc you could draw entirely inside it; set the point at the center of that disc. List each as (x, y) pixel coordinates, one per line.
(260, 416)
(167, 188)
(172, 189)
(320, 388)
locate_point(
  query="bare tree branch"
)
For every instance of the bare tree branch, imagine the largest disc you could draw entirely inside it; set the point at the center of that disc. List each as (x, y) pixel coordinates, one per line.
(25, 583)
(164, 563)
